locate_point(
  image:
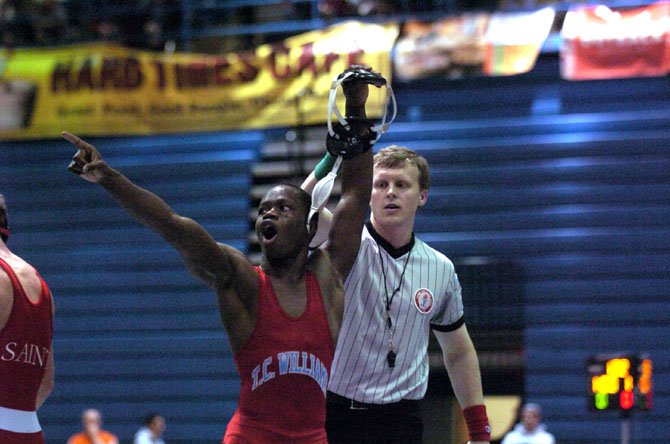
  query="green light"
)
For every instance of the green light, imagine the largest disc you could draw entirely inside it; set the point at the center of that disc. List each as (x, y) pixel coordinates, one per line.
(602, 401)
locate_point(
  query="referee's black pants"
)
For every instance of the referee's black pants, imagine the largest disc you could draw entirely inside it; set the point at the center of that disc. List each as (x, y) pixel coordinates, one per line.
(350, 422)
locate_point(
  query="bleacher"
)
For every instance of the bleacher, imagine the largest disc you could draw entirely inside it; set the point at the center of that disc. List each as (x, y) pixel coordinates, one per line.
(134, 332)
(565, 184)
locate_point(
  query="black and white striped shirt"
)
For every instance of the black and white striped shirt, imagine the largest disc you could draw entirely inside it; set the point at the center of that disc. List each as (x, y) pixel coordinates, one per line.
(429, 297)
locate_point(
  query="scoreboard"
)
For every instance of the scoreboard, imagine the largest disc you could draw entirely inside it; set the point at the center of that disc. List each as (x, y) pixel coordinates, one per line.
(620, 382)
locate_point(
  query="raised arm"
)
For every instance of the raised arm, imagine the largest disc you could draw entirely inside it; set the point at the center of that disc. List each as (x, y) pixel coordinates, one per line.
(207, 260)
(222, 267)
(344, 237)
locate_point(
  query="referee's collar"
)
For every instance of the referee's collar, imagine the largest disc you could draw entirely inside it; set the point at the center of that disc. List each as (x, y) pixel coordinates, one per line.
(394, 252)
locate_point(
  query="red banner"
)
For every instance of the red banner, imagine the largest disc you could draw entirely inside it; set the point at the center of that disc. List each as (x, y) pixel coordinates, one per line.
(600, 43)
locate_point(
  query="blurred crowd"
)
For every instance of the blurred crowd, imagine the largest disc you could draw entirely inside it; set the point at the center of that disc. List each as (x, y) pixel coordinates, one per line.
(148, 24)
(340, 8)
(158, 24)
(151, 432)
(36, 22)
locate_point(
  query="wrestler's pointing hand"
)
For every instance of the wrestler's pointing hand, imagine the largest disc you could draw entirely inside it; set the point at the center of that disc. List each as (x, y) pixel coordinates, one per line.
(87, 161)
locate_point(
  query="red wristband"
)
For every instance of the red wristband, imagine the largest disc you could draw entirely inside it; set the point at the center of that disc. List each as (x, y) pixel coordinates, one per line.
(478, 423)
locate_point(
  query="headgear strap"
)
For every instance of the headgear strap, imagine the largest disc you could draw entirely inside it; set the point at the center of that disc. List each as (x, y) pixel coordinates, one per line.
(322, 189)
(344, 143)
(366, 77)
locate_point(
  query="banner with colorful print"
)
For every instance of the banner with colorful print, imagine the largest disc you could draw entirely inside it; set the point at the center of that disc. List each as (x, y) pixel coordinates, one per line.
(103, 89)
(514, 41)
(472, 45)
(453, 47)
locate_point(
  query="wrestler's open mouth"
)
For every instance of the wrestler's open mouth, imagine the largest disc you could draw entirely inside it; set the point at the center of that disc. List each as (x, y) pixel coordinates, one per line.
(268, 230)
(392, 207)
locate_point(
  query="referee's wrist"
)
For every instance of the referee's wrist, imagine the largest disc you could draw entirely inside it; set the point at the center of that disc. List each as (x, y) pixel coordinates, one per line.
(478, 423)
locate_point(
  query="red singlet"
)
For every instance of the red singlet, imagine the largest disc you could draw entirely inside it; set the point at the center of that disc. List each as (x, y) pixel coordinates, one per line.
(284, 370)
(25, 344)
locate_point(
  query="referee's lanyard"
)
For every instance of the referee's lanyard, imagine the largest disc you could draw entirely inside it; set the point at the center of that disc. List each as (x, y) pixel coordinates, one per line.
(391, 355)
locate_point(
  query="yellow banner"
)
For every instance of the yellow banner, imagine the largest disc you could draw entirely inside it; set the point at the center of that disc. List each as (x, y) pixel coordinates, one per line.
(103, 89)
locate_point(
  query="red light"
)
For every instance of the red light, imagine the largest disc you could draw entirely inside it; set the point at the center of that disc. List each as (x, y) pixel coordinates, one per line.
(626, 399)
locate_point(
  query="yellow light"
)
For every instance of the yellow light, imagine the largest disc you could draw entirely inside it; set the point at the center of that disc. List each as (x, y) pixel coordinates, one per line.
(605, 384)
(628, 383)
(618, 368)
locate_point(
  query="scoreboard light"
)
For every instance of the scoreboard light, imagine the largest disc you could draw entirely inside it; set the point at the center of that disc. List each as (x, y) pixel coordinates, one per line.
(620, 382)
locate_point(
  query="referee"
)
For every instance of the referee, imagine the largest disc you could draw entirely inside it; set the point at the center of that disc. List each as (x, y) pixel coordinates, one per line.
(398, 290)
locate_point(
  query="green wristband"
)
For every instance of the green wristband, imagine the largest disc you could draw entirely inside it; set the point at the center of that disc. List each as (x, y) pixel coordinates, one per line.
(324, 166)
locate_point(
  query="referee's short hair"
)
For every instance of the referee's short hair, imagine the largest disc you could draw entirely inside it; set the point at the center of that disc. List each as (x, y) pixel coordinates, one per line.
(394, 156)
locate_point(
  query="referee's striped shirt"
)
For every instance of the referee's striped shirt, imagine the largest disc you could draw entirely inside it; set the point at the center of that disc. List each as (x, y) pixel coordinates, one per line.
(360, 370)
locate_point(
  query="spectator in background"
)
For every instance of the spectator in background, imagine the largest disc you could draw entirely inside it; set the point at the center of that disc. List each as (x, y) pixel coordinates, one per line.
(154, 28)
(530, 430)
(14, 26)
(341, 8)
(152, 25)
(7, 11)
(107, 31)
(376, 7)
(153, 36)
(50, 22)
(152, 432)
(91, 422)
(335, 8)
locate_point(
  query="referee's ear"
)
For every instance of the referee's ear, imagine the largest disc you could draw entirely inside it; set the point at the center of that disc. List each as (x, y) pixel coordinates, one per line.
(423, 197)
